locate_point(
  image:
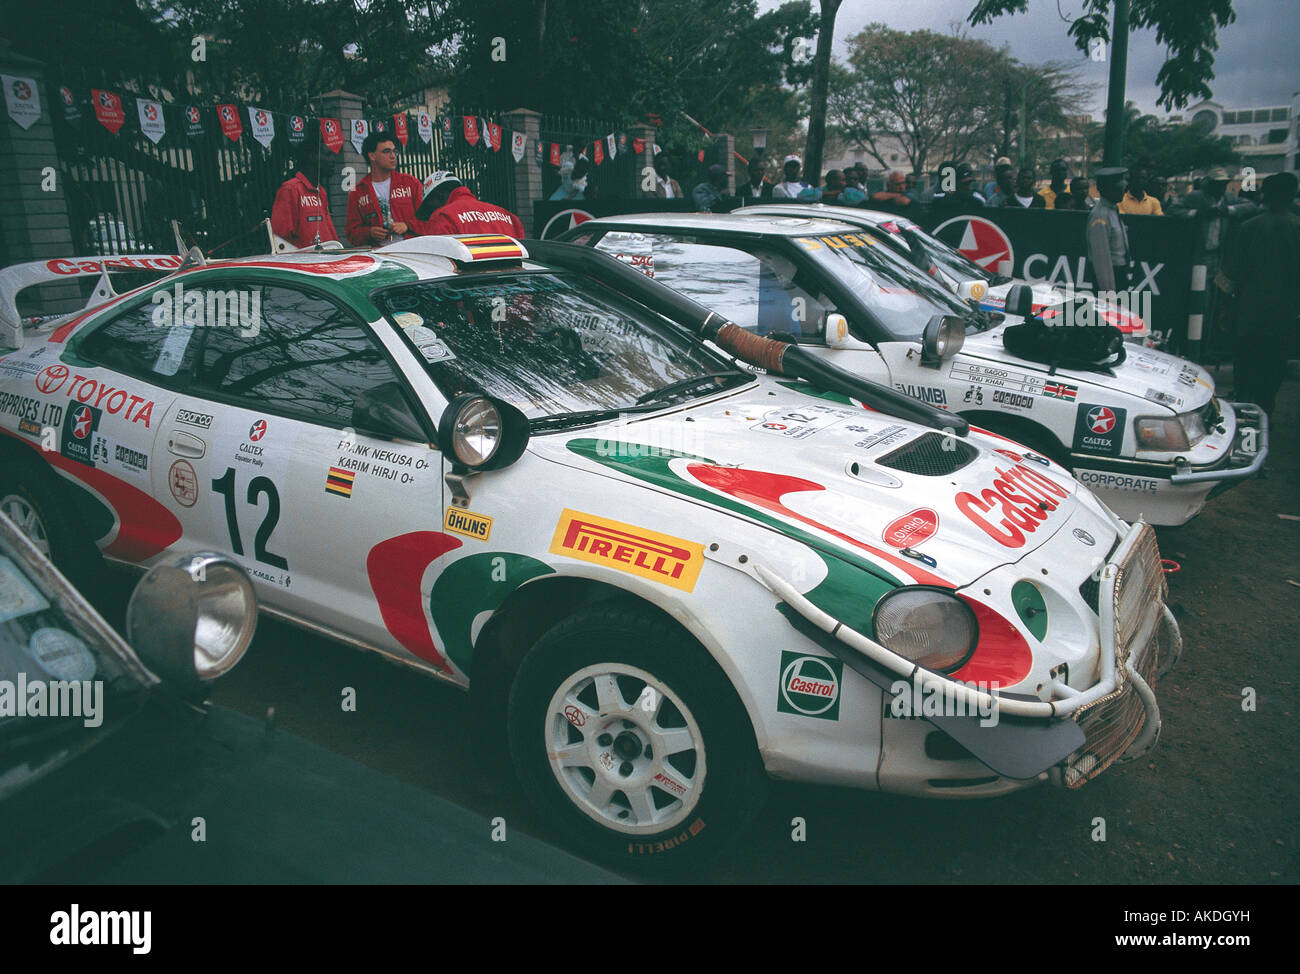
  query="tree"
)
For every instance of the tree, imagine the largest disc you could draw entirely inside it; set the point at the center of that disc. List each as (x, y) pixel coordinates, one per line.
(930, 91)
(1187, 28)
(1172, 147)
(821, 81)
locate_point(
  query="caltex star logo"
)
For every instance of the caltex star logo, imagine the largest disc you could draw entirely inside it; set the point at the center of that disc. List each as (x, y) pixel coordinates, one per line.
(564, 220)
(81, 422)
(1101, 420)
(22, 91)
(295, 123)
(257, 430)
(978, 239)
(192, 114)
(150, 112)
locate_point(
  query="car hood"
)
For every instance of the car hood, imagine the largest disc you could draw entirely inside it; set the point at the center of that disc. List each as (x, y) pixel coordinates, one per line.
(837, 476)
(1145, 373)
(1045, 295)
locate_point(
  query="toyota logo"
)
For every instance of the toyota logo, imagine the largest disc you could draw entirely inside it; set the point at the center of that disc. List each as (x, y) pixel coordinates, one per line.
(1084, 537)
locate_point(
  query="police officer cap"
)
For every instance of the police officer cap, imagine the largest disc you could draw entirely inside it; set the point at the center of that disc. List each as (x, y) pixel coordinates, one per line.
(1111, 172)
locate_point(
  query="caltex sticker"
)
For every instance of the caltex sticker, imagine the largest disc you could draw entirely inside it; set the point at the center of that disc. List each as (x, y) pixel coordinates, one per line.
(1099, 429)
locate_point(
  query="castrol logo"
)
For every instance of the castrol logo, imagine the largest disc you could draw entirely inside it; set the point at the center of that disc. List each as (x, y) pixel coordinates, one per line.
(1017, 503)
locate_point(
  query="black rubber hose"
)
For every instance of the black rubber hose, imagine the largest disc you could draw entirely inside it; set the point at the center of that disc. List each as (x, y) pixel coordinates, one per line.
(791, 360)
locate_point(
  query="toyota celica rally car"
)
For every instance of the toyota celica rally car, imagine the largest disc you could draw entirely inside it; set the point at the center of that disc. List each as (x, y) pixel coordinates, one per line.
(666, 577)
(1140, 427)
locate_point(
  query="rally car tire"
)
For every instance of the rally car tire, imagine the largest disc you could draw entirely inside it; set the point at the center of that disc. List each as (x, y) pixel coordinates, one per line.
(657, 734)
(33, 499)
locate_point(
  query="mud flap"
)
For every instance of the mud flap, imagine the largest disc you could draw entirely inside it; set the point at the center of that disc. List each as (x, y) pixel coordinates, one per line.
(1015, 747)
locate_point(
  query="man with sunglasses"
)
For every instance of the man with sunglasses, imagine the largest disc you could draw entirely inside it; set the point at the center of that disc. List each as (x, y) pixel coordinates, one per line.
(382, 207)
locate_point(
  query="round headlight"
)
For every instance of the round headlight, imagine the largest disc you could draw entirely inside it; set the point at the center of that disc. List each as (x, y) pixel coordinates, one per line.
(932, 628)
(476, 433)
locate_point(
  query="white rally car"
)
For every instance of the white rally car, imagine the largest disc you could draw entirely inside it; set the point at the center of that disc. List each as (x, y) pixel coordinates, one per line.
(1142, 428)
(664, 577)
(951, 266)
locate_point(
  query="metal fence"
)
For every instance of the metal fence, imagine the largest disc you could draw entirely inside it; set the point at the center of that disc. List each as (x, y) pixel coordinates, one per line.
(576, 136)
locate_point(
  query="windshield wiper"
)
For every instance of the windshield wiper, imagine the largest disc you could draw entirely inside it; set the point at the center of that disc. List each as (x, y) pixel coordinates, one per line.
(582, 416)
(681, 385)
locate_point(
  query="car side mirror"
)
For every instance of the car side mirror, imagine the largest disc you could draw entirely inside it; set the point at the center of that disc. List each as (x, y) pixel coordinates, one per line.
(972, 290)
(943, 338)
(383, 410)
(1020, 301)
(837, 330)
(191, 619)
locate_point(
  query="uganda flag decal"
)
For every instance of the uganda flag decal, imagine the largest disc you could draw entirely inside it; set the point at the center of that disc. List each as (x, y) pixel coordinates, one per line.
(339, 481)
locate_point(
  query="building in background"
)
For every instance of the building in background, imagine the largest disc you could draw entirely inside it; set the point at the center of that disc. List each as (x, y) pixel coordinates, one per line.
(1266, 137)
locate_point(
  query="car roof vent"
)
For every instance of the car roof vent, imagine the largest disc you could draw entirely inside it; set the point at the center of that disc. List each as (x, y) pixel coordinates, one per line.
(930, 455)
(464, 249)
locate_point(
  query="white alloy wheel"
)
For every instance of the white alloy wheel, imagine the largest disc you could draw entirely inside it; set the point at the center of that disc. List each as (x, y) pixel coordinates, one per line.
(625, 749)
(19, 510)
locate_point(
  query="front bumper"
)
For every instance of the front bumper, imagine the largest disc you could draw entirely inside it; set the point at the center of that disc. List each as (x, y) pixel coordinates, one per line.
(1244, 460)
(1072, 735)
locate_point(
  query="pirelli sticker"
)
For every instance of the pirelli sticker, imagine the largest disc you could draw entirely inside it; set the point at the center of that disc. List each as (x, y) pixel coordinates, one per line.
(471, 525)
(629, 548)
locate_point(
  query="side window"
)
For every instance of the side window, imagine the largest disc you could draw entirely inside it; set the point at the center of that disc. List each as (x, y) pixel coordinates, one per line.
(303, 356)
(151, 341)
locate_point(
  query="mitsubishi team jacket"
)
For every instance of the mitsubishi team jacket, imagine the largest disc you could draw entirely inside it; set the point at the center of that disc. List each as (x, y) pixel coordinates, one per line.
(462, 213)
(404, 195)
(301, 211)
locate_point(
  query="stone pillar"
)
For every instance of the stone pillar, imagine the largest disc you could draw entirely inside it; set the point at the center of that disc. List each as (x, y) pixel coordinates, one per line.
(724, 152)
(632, 189)
(528, 174)
(344, 106)
(34, 222)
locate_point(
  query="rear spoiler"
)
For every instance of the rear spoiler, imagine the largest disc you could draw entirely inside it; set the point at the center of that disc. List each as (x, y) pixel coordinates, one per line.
(19, 277)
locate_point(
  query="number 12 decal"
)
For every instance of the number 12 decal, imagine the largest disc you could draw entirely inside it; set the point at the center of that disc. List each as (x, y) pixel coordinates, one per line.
(225, 486)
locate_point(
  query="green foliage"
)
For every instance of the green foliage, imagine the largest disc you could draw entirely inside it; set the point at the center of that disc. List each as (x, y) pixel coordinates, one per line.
(1172, 147)
(1187, 28)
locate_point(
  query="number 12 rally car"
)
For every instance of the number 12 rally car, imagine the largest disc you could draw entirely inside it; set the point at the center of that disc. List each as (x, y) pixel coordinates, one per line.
(529, 472)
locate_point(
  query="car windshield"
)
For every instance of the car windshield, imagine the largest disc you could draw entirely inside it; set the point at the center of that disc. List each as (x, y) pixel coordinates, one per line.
(551, 344)
(900, 297)
(950, 260)
(59, 681)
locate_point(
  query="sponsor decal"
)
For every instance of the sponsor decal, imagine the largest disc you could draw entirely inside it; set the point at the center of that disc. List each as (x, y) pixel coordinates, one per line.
(911, 529)
(86, 266)
(1116, 481)
(1059, 390)
(1164, 398)
(1016, 400)
(980, 240)
(879, 438)
(1024, 498)
(132, 459)
(935, 397)
(471, 525)
(18, 368)
(51, 378)
(183, 482)
(30, 428)
(339, 481)
(1099, 429)
(257, 430)
(1084, 537)
(810, 685)
(1188, 375)
(796, 424)
(79, 426)
(669, 785)
(190, 418)
(628, 548)
(562, 221)
(109, 399)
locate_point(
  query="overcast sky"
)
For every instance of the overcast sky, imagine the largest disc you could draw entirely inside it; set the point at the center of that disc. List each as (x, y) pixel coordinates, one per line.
(1257, 64)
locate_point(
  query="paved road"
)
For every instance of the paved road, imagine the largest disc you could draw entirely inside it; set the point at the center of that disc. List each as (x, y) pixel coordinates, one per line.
(1215, 803)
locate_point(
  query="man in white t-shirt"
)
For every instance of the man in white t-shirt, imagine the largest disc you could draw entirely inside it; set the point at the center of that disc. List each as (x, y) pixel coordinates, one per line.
(791, 185)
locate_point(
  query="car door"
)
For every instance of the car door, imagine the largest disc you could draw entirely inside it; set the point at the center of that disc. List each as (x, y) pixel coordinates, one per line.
(297, 452)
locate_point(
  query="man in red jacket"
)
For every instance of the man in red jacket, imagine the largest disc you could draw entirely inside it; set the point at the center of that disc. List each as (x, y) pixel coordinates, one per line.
(458, 211)
(301, 212)
(382, 207)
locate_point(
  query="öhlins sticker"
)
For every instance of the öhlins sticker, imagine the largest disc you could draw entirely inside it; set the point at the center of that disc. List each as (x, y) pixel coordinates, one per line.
(471, 525)
(629, 548)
